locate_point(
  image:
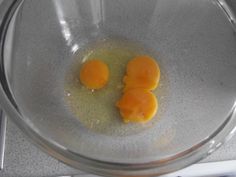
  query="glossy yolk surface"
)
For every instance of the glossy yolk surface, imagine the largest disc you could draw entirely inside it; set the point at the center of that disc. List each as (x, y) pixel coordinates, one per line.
(94, 74)
(142, 72)
(137, 105)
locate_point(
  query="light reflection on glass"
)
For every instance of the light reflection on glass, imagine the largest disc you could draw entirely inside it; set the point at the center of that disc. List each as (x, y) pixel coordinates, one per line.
(62, 8)
(234, 114)
(92, 15)
(74, 48)
(97, 10)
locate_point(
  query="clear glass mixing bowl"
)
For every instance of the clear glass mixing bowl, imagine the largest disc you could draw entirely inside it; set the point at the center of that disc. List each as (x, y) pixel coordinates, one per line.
(196, 50)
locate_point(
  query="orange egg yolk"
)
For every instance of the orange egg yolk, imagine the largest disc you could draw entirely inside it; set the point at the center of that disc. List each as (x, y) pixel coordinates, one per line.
(137, 105)
(142, 72)
(94, 74)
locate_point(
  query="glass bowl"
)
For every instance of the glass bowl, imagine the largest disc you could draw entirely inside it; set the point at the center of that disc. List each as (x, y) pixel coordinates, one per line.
(192, 41)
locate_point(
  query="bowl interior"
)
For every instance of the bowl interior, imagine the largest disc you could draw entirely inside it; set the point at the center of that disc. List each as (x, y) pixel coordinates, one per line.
(191, 40)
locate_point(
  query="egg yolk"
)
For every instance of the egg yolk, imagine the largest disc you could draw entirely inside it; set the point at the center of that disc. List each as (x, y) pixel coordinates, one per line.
(142, 72)
(137, 105)
(94, 74)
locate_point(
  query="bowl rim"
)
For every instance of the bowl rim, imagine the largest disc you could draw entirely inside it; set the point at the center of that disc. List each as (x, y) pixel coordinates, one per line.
(169, 164)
